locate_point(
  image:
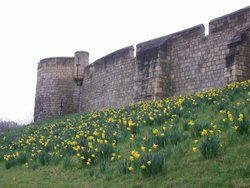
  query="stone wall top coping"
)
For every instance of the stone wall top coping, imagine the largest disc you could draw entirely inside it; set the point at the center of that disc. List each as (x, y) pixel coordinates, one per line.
(81, 51)
(230, 15)
(157, 42)
(55, 59)
(121, 53)
(230, 20)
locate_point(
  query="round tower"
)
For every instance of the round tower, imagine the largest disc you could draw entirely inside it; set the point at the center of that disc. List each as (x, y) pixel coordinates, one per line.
(54, 89)
(81, 60)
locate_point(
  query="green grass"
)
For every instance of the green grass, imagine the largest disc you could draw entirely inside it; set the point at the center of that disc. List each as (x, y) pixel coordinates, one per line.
(159, 135)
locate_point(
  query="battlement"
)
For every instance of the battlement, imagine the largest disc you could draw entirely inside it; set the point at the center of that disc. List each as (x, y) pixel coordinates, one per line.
(179, 63)
(229, 21)
(149, 49)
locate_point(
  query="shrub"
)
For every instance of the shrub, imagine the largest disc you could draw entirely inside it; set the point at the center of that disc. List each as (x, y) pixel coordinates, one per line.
(7, 125)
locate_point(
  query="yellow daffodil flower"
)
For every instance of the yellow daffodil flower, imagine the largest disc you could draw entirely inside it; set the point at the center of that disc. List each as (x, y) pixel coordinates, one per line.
(149, 163)
(194, 149)
(204, 132)
(143, 166)
(130, 168)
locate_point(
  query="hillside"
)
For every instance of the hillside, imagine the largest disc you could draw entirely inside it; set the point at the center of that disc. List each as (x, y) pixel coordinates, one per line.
(200, 140)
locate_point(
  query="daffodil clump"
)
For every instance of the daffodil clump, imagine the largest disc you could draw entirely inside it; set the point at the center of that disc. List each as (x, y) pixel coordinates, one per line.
(209, 143)
(136, 138)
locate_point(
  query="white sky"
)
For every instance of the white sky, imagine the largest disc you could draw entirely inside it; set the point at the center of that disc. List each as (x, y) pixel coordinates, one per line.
(31, 30)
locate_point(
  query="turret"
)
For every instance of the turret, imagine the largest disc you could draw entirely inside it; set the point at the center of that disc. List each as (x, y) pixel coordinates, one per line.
(81, 60)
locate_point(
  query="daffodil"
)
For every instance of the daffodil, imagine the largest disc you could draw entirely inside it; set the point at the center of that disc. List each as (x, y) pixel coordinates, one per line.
(143, 148)
(131, 158)
(149, 163)
(240, 118)
(130, 168)
(155, 146)
(194, 149)
(143, 166)
(235, 127)
(151, 118)
(204, 132)
(130, 123)
(155, 131)
(191, 123)
(222, 111)
(90, 138)
(135, 154)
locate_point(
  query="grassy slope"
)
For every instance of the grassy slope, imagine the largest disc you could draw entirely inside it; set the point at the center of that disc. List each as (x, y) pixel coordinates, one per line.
(183, 168)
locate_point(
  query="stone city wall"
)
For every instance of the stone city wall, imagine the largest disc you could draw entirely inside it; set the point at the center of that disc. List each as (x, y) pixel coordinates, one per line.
(109, 82)
(176, 64)
(189, 61)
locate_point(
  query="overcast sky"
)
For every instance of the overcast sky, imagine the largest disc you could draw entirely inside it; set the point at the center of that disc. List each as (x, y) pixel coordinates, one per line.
(31, 30)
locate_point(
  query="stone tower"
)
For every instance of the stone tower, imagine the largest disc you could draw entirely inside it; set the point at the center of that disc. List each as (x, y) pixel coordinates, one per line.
(81, 60)
(58, 85)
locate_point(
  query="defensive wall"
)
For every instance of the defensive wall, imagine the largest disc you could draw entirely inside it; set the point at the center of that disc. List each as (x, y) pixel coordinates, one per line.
(176, 64)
